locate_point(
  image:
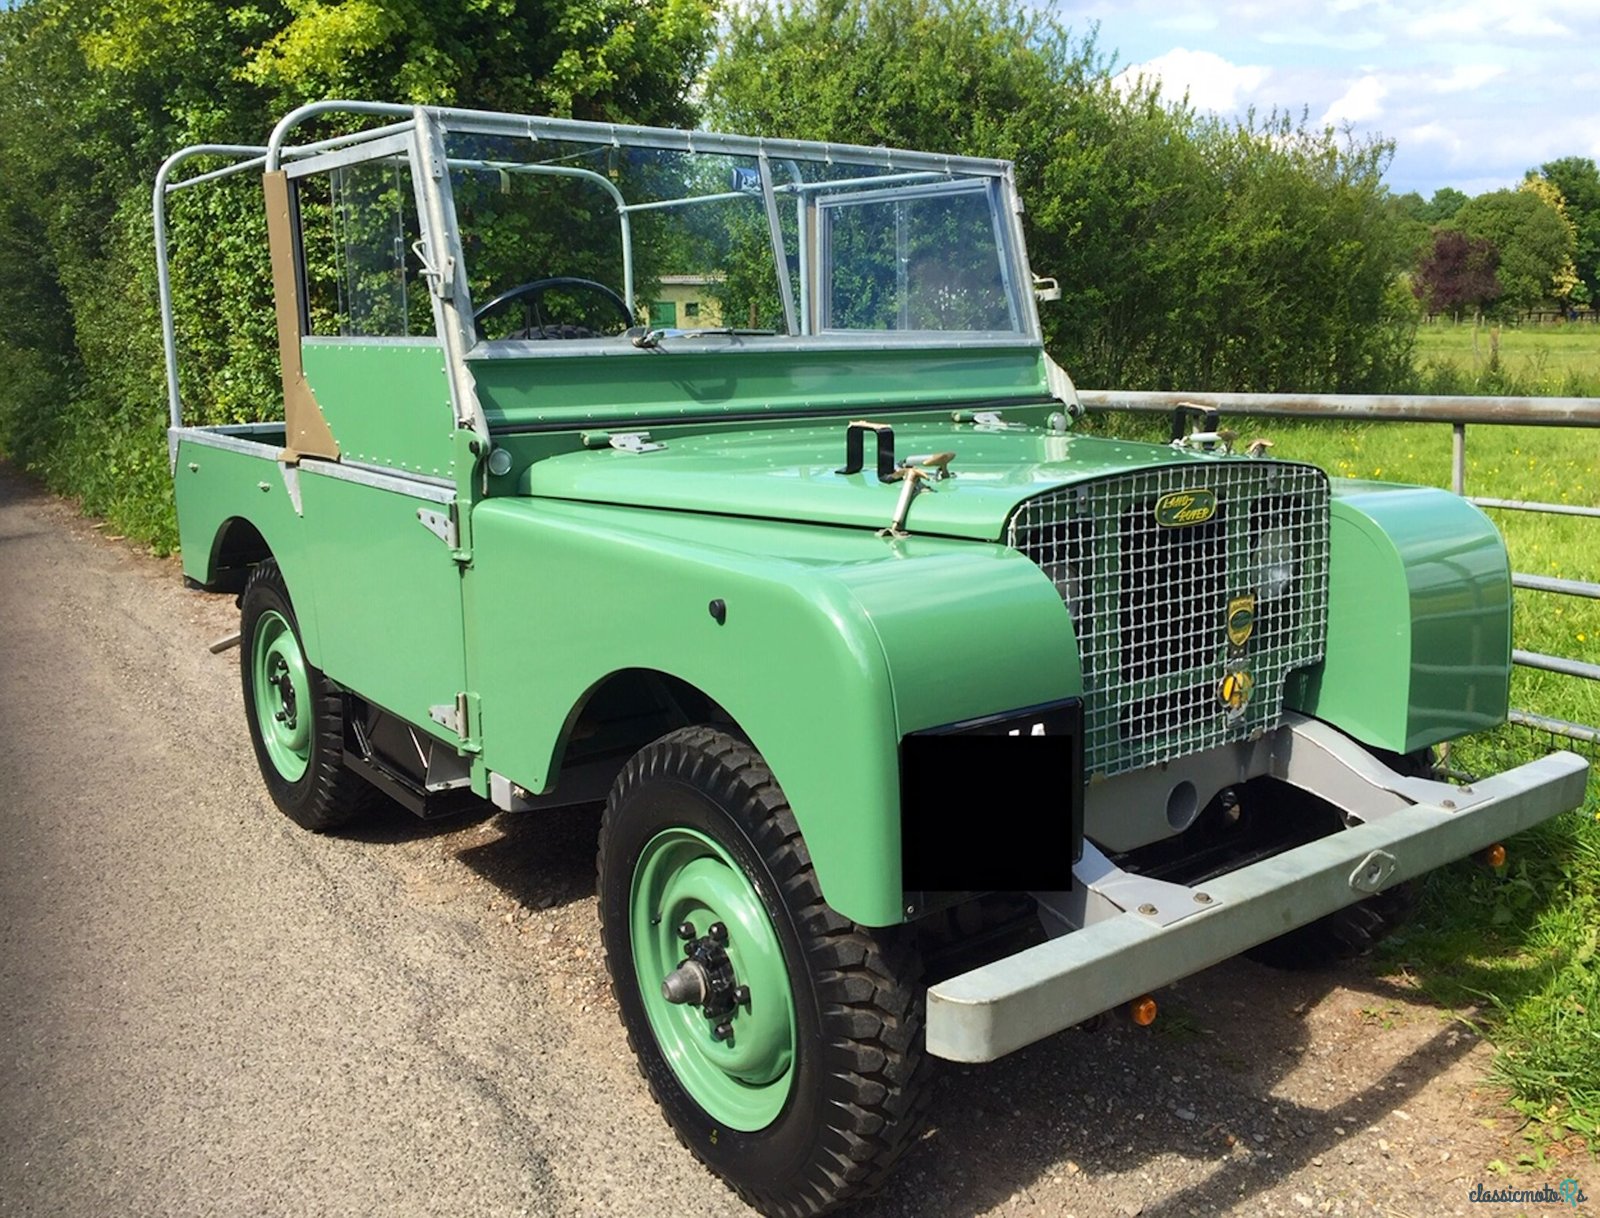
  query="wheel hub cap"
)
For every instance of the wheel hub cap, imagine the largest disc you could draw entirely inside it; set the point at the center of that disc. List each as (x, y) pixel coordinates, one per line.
(282, 688)
(712, 978)
(705, 978)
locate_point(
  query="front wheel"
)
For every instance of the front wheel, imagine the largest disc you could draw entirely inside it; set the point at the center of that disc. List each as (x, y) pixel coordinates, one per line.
(782, 1041)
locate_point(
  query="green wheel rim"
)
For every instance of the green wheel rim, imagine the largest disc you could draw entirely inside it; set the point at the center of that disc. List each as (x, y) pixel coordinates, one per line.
(282, 695)
(685, 876)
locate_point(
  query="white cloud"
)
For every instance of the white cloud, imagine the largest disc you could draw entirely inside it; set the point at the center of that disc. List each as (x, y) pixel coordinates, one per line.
(1473, 20)
(1433, 133)
(1343, 38)
(1211, 82)
(1468, 76)
(1360, 103)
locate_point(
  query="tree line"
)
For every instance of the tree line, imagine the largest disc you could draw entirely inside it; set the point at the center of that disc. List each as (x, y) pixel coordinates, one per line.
(1510, 251)
(1193, 252)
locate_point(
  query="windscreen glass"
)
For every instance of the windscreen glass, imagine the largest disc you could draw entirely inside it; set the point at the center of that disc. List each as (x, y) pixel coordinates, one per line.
(565, 240)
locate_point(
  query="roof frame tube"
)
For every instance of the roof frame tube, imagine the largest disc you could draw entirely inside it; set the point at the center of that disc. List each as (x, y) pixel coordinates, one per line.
(249, 154)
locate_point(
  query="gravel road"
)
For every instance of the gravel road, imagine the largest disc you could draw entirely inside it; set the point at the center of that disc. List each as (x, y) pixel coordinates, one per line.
(204, 1010)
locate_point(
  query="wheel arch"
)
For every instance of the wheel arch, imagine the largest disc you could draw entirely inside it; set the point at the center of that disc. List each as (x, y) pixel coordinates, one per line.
(241, 543)
(237, 547)
(616, 716)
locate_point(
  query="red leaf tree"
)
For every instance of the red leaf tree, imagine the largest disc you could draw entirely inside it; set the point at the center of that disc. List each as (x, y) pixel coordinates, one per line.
(1457, 274)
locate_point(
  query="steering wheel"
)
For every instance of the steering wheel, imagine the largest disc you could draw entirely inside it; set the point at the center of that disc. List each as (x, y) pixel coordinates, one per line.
(534, 291)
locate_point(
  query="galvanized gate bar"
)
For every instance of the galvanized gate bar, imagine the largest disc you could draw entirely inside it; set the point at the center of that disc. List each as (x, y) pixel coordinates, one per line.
(1556, 727)
(1570, 668)
(1549, 583)
(1428, 408)
(1522, 505)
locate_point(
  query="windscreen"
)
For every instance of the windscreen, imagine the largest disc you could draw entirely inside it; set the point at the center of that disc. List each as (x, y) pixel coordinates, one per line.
(564, 239)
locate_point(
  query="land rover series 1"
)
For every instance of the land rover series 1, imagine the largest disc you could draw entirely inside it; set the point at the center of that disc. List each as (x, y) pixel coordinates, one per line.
(727, 481)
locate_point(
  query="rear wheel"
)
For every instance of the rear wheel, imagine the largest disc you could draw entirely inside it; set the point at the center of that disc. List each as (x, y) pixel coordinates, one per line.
(782, 1041)
(296, 715)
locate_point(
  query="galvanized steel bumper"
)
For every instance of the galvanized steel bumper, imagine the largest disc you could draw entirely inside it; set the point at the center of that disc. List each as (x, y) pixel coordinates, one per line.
(995, 1009)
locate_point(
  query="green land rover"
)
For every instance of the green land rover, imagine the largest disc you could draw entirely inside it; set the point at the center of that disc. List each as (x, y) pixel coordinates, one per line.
(726, 481)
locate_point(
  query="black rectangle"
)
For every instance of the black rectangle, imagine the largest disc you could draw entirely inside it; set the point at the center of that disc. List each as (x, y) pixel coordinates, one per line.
(993, 804)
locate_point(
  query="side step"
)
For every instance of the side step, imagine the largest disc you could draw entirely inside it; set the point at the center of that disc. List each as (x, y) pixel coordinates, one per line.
(423, 775)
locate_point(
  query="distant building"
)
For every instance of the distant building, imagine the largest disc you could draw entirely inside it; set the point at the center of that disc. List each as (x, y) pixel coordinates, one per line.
(684, 302)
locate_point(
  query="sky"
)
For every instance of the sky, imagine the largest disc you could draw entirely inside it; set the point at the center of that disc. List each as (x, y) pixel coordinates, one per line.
(1473, 93)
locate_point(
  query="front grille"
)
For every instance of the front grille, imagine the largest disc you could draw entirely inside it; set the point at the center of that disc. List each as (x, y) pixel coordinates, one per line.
(1151, 602)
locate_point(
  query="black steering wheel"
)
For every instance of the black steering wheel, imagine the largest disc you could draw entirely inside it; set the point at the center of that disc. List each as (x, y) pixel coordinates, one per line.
(534, 291)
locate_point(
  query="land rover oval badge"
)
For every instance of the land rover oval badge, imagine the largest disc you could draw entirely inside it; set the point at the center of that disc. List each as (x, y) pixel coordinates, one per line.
(1177, 509)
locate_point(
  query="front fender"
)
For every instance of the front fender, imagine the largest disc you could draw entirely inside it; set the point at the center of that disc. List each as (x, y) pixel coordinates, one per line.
(835, 643)
(1419, 619)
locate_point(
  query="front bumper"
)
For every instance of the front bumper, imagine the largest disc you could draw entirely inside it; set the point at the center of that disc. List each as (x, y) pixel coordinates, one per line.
(1137, 934)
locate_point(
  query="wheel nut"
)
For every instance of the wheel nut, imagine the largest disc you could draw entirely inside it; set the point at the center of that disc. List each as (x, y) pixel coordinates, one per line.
(686, 930)
(723, 1031)
(741, 994)
(719, 932)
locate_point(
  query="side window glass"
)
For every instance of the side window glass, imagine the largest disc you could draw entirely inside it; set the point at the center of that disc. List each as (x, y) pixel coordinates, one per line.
(358, 226)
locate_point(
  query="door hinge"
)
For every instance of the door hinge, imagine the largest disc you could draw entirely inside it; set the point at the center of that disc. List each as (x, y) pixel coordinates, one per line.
(459, 717)
(442, 525)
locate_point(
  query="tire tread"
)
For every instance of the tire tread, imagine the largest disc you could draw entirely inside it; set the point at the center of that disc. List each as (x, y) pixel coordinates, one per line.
(866, 979)
(336, 796)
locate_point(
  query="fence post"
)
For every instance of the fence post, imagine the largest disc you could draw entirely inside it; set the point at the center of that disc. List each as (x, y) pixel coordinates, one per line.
(1458, 458)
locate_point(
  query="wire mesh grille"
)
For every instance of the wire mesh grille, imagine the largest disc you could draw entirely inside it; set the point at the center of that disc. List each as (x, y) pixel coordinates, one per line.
(1188, 619)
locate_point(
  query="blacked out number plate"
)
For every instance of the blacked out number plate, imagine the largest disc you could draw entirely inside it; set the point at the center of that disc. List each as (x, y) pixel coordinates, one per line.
(993, 804)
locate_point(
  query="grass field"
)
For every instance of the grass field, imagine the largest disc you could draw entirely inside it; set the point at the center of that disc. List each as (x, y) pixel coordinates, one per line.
(1514, 951)
(1552, 360)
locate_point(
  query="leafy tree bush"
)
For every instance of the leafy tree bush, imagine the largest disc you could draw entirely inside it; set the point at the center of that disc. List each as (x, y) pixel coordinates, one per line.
(1444, 205)
(1457, 274)
(94, 94)
(1579, 183)
(1535, 242)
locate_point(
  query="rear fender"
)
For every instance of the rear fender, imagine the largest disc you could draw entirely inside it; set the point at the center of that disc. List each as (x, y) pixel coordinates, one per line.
(222, 491)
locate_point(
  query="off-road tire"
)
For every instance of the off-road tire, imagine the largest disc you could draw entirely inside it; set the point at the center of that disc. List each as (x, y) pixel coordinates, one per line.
(326, 795)
(1356, 929)
(860, 1080)
(1343, 935)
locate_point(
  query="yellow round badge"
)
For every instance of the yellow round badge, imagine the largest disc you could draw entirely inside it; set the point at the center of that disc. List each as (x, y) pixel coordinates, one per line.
(1234, 691)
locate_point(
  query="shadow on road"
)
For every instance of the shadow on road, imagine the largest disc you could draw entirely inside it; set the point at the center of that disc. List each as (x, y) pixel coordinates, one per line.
(1209, 1097)
(541, 859)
